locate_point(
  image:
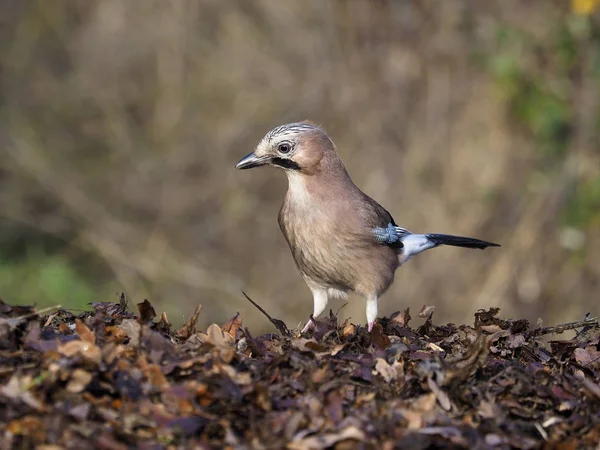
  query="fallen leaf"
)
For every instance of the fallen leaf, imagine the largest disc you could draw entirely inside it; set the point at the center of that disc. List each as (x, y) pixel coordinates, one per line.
(132, 329)
(233, 325)
(389, 372)
(588, 357)
(337, 348)
(592, 388)
(440, 395)
(78, 381)
(414, 418)
(84, 349)
(321, 374)
(349, 329)
(515, 341)
(490, 328)
(435, 347)
(112, 308)
(379, 339)
(147, 312)
(426, 311)
(85, 334)
(218, 338)
(401, 318)
(17, 388)
(189, 328)
(308, 345)
(116, 334)
(327, 439)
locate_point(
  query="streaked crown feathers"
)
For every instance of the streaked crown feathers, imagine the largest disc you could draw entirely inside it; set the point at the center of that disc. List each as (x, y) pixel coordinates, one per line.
(289, 130)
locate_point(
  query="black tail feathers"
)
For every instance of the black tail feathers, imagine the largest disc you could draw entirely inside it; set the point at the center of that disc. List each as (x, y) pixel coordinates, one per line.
(459, 241)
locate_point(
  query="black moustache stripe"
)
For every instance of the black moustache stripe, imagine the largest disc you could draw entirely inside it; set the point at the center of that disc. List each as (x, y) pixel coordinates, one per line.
(285, 163)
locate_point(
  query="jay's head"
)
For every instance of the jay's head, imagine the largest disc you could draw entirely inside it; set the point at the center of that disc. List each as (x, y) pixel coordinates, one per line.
(299, 147)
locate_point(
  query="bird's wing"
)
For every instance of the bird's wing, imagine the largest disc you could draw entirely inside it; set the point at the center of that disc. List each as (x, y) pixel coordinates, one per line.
(380, 223)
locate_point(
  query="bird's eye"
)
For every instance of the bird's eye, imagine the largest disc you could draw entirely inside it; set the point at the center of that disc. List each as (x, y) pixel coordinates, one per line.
(284, 147)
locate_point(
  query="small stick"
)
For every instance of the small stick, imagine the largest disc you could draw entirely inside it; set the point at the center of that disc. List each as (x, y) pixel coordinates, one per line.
(17, 320)
(558, 329)
(279, 324)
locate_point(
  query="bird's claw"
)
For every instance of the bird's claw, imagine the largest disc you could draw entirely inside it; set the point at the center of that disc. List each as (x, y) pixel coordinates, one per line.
(309, 326)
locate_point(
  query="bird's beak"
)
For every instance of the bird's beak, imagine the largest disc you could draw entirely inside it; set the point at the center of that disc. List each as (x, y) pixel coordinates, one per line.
(251, 160)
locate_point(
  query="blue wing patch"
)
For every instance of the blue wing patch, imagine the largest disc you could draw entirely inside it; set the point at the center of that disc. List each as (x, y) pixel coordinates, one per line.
(392, 235)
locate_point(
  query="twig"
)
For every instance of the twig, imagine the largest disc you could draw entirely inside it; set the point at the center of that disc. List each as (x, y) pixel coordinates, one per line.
(340, 308)
(16, 320)
(558, 329)
(279, 324)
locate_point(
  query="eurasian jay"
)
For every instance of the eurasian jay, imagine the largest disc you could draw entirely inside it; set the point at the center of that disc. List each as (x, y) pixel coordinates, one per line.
(341, 239)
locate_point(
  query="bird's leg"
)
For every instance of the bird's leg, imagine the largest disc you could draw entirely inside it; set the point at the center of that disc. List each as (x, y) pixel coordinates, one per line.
(320, 302)
(371, 310)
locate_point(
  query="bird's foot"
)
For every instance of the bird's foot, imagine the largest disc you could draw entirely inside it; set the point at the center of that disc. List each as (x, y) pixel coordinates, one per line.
(370, 326)
(309, 326)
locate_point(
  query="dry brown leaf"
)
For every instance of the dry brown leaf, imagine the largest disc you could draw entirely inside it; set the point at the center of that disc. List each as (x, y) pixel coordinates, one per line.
(18, 388)
(320, 374)
(426, 311)
(379, 339)
(112, 351)
(365, 398)
(163, 323)
(241, 378)
(464, 366)
(337, 348)
(435, 347)
(401, 318)
(308, 345)
(84, 349)
(389, 372)
(232, 325)
(85, 334)
(488, 410)
(587, 357)
(78, 381)
(147, 312)
(440, 395)
(327, 439)
(515, 341)
(349, 330)
(29, 426)
(424, 403)
(592, 388)
(51, 318)
(156, 377)
(490, 328)
(218, 338)
(132, 329)
(414, 418)
(115, 334)
(189, 328)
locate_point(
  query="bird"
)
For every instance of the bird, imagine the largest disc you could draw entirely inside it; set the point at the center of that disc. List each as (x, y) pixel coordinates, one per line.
(342, 240)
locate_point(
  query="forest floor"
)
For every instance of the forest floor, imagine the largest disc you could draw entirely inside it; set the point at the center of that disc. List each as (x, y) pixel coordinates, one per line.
(111, 379)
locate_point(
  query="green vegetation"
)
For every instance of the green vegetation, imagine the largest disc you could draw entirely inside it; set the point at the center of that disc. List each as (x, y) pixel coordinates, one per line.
(541, 78)
(47, 280)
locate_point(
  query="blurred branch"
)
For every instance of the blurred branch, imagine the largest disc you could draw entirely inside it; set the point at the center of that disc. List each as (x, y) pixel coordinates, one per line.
(103, 233)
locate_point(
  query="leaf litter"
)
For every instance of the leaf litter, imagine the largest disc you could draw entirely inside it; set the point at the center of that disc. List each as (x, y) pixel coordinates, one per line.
(109, 379)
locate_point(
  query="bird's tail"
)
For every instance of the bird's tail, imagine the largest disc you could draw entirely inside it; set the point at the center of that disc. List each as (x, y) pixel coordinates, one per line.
(459, 241)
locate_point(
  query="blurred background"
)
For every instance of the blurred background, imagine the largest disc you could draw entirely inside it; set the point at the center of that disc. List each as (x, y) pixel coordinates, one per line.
(121, 122)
